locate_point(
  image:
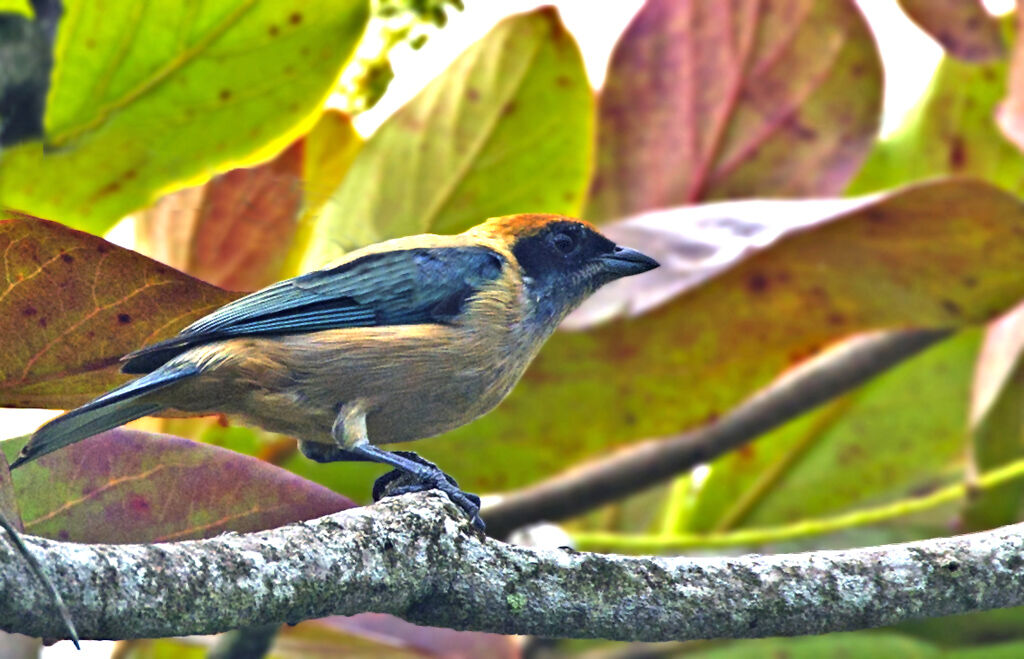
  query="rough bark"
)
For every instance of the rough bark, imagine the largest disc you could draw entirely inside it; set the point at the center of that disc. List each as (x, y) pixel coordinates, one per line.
(417, 557)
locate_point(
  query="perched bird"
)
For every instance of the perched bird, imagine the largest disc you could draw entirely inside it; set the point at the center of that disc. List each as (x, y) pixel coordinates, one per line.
(400, 340)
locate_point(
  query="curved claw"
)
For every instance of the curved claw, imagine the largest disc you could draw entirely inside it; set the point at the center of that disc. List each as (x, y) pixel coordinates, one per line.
(390, 484)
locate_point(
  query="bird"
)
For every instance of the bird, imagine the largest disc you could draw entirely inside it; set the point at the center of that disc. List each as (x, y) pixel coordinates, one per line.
(397, 341)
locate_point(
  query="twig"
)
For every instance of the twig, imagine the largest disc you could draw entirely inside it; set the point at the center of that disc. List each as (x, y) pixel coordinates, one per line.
(417, 557)
(752, 537)
(642, 465)
(37, 572)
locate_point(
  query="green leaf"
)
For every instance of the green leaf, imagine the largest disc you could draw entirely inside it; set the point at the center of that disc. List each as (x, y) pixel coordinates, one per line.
(146, 97)
(73, 304)
(997, 421)
(940, 255)
(950, 131)
(712, 100)
(1010, 114)
(22, 7)
(843, 645)
(8, 503)
(129, 486)
(963, 27)
(901, 434)
(505, 129)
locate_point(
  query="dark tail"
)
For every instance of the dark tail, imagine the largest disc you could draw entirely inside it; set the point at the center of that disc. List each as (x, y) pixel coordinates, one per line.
(108, 411)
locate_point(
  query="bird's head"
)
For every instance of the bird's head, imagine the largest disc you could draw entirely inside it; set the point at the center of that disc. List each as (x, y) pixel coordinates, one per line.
(563, 260)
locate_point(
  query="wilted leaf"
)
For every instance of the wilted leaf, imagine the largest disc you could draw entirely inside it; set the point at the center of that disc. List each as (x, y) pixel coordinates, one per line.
(234, 231)
(962, 27)
(178, 92)
(389, 636)
(949, 131)
(73, 304)
(353, 479)
(129, 486)
(238, 230)
(506, 129)
(709, 100)
(940, 255)
(901, 434)
(26, 43)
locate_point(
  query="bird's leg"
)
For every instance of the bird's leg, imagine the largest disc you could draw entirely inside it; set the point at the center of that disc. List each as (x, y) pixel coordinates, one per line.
(324, 453)
(349, 433)
(426, 477)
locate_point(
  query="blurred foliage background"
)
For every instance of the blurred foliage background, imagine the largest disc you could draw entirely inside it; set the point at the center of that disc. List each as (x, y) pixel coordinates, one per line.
(736, 141)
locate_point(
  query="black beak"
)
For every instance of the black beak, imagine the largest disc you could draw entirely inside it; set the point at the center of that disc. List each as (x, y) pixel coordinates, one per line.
(623, 262)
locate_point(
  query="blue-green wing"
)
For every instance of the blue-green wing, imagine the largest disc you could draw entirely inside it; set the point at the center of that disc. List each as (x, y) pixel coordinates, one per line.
(408, 287)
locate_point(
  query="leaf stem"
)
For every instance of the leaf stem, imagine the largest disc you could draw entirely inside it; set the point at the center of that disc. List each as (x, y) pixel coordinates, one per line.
(606, 541)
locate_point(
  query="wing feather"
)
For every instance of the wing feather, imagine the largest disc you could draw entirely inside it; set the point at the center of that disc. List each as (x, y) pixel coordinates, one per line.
(404, 287)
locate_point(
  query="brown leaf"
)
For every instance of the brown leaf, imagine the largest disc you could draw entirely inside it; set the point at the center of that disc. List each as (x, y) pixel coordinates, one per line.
(710, 99)
(239, 229)
(131, 486)
(73, 304)
(234, 231)
(962, 27)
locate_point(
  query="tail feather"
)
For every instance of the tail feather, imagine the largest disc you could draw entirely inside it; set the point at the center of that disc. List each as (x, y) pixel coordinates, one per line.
(108, 411)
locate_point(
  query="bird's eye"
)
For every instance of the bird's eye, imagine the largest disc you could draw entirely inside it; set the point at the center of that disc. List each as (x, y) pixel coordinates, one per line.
(564, 243)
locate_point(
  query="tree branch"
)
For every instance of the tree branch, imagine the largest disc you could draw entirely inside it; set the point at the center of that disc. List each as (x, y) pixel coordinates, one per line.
(417, 557)
(642, 465)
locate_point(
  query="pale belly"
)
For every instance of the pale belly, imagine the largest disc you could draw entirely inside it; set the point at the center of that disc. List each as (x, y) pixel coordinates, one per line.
(413, 382)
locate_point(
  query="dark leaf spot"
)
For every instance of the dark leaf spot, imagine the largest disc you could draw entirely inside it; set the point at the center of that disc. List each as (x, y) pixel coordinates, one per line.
(225, 94)
(509, 108)
(67, 258)
(138, 504)
(273, 30)
(29, 311)
(295, 18)
(957, 152)
(970, 282)
(757, 283)
(836, 318)
(563, 81)
(952, 566)
(472, 94)
(951, 307)
(875, 215)
(124, 318)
